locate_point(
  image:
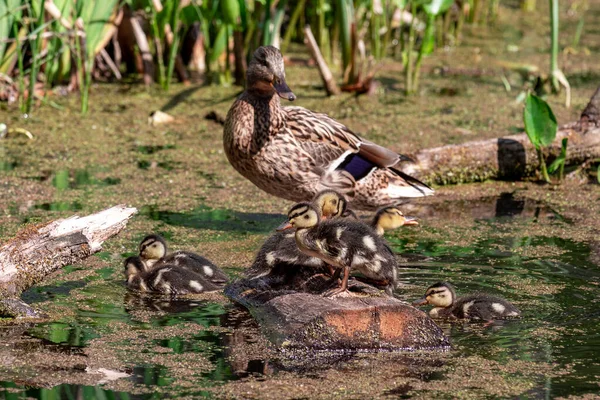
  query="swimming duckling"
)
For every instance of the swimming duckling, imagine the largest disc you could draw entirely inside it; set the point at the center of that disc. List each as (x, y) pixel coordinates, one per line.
(165, 278)
(390, 218)
(345, 244)
(153, 252)
(476, 306)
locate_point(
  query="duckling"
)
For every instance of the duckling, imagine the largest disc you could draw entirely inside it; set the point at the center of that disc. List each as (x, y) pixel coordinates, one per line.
(153, 252)
(390, 218)
(165, 278)
(476, 306)
(344, 244)
(280, 249)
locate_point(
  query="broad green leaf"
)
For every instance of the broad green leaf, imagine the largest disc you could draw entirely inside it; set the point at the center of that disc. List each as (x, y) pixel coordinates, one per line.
(436, 7)
(429, 35)
(540, 122)
(560, 160)
(230, 10)
(220, 44)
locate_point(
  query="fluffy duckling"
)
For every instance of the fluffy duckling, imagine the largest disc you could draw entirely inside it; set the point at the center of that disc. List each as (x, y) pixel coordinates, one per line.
(476, 306)
(165, 278)
(153, 252)
(280, 249)
(390, 218)
(344, 244)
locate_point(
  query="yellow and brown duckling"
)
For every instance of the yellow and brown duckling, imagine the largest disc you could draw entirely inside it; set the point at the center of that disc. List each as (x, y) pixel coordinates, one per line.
(476, 306)
(165, 278)
(344, 244)
(390, 218)
(280, 249)
(153, 253)
(292, 152)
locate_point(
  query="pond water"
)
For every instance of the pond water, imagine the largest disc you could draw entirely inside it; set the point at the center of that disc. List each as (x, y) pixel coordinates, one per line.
(513, 248)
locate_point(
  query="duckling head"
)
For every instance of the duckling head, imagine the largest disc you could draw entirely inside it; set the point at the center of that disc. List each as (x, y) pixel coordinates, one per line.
(440, 294)
(331, 203)
(153, 247)
(389, 218)
(266, 74)
(301, 216)
(133, 267)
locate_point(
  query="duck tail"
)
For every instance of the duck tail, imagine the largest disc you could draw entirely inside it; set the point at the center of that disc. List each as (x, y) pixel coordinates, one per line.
(414, 182)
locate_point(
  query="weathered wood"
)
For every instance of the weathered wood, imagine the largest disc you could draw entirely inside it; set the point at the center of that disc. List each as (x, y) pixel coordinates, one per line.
(295, 320)
(509, 157)
(328, 80)
(38, 251)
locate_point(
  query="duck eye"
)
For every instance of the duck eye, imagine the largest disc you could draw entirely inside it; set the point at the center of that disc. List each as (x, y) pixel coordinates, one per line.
(306, 217)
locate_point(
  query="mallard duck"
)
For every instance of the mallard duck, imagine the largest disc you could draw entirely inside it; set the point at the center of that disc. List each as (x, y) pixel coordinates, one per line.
(293, 153)
(476, 306)
(280, 249)
(165, 278)
(344, 244)
(153, 252)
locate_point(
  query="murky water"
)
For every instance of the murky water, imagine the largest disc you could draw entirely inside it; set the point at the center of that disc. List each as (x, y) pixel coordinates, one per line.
(509, 248)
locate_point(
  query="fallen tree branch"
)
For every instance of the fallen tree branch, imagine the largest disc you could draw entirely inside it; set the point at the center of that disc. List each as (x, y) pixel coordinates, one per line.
(509, 157)
(328, 80)
(36, 252)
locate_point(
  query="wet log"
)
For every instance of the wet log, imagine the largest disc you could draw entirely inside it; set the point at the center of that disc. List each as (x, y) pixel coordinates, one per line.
(510, 157)
(37, 251)
(299, 321)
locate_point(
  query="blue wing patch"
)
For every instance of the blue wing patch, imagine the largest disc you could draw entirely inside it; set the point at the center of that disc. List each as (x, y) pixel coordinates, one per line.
(357, 166)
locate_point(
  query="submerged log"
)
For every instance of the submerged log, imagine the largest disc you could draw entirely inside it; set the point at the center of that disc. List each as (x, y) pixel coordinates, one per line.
(509, 157)
(370, 320)
(37, 251)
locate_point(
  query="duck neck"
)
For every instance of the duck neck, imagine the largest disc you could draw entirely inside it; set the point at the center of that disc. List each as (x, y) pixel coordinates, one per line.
(305, 239)
(268, 113)
(380, 231)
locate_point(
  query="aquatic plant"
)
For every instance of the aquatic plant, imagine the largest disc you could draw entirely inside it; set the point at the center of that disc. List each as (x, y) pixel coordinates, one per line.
(541, 127)
(559, 163)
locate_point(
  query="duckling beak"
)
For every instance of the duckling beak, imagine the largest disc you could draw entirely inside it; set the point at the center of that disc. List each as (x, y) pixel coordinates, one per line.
(283, 90)
(410, 221)
(420, 302)
(284, 226)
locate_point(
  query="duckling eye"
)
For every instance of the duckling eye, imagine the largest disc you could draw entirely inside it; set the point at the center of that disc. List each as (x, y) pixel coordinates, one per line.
(306, 217)
(334, 202)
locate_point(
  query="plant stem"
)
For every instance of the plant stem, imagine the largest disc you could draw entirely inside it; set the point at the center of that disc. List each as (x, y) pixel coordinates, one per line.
(543, 164)
(292, 25)
(409, 49)
(21, 70)
(554, 45)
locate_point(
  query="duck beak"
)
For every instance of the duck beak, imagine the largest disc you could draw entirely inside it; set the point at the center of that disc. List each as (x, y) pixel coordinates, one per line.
(284, 226)
(283, 90)
(420, 302)
(410, 221)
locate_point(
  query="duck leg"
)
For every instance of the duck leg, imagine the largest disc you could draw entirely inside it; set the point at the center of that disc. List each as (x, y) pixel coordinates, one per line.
(343, 288)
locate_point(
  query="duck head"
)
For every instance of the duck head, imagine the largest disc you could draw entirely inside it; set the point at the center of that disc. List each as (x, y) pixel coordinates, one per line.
(133, 267)
(331, 203)
(390, 218)
(440, 294)
(301, 216)
(153, 248)
(266, 74)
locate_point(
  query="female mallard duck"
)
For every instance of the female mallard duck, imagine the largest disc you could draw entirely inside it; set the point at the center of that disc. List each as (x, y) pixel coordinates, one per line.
(153, 252)
(280, 249)
(344, 244)
(293, 153)
(165, 278)
(476, 306)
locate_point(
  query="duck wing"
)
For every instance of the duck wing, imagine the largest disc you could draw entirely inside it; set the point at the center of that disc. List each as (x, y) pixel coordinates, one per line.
(345, 158)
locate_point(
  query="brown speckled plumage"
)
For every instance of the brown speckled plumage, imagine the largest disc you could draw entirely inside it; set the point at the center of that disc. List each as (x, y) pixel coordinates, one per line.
(292, 152)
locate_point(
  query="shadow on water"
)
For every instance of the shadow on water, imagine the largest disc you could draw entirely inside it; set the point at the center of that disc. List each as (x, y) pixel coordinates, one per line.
(204, 217)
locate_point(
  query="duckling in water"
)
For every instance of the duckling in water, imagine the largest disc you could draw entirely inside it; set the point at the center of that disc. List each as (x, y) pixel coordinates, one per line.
(165, 278)
(390, 218)
(344, 244)
(476, 306)
(153, 252)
